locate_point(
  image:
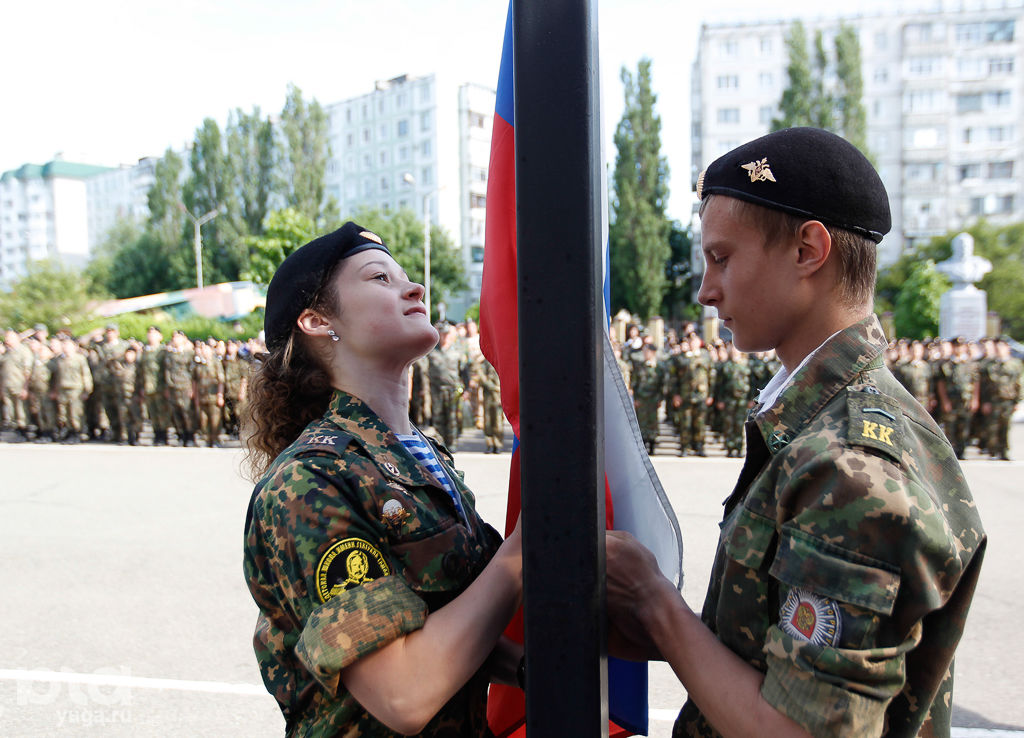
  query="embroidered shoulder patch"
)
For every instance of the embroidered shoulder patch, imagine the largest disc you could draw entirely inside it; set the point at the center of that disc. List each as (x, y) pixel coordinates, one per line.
(810, 617)
(348, 563)
(876, 421)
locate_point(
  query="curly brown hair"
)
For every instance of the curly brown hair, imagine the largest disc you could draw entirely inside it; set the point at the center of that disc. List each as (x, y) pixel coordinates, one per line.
(289, 388)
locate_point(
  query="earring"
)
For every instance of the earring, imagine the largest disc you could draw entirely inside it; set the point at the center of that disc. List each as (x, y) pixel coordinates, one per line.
(332, 334)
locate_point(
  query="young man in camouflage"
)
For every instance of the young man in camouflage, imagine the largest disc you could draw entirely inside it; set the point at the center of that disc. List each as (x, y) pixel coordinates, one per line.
(150, 384)
(850, 547)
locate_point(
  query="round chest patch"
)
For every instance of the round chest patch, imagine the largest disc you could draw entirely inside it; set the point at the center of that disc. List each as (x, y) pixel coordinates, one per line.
(810, 617)
(348, 563)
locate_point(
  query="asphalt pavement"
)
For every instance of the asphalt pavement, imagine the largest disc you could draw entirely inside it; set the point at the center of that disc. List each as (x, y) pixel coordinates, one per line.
(125, 612)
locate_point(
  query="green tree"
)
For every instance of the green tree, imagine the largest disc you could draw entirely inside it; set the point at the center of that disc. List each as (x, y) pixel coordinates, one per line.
(49, 293)
(402, 231)
(809, 99)
(253, 157)
(850, 88)
(283, 231)
(210, 187)
(304, 127)
(639, 232)
(916, 313)
(165, 217)
(798, 97)
(678, 273)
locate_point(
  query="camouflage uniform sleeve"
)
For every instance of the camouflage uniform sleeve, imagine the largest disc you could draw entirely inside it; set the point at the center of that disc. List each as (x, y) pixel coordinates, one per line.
(332, 567)
(862, 560)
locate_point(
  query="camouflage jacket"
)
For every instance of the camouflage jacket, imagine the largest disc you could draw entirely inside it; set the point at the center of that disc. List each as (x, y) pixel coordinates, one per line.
(350, 543)
(648, 382)
(849, 552)
(177, 369)
(150, 367)
(208, 376)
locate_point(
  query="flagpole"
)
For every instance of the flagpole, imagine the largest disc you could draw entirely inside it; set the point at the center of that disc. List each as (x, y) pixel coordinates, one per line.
(558, 232)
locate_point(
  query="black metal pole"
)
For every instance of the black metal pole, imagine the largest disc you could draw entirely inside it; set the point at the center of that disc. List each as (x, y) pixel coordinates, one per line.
(558, 195)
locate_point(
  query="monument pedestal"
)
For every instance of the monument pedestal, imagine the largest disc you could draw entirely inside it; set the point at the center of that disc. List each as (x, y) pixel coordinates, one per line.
(963, 311)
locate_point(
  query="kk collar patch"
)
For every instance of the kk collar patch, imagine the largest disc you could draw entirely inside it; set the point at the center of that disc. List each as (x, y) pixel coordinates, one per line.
(809, 617)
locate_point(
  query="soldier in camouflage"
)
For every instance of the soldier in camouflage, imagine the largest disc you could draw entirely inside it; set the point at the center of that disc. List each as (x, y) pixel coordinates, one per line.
(236, 385)
(850, 547)
(493, 415)
(446, 387)
(15, 368)
(150, 384)
(71, 383)
(123, 373)
(111, 357)
(382, 594)
(957, 389)
(41, 407)
(1007, 377)
(208, 380)
(178, 386)
(648, 377)
(734, 388)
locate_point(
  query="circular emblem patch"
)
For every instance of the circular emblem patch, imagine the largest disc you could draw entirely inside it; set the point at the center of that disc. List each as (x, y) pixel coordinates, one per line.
(348, 563)
(809, 617)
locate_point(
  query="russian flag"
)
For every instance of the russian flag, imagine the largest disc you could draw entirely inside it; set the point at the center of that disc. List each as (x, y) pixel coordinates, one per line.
(635, 500)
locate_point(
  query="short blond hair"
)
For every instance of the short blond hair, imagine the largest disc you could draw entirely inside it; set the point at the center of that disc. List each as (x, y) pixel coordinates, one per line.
(857, 255)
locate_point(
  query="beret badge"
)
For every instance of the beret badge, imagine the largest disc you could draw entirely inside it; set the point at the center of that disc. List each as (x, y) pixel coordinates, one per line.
(759, 171)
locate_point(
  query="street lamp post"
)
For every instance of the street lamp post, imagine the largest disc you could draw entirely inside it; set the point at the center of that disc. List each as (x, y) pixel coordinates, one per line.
(409, 179)
(198, 223)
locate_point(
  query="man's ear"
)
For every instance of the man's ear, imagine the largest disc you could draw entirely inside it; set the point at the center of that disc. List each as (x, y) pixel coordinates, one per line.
(313, 323)
(814, 244)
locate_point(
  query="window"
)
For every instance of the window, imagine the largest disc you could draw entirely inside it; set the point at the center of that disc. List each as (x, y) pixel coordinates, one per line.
(923, 101)
(970, 171)
(477, 201)
(426, 176)
(881, 75)
(924, 172)
(728, 115)
(382, 132)
(923, 138)
(923, 66)
(917, 32)
(881, 40)
(366, 135)
(380, 106)
(999, 31)
(476, 120)
(425, 121)
(728, 81)
(479, 174)
(1000, 170)
(766, 79)
(399, 101)
(383, 184)
(766, 46)
(366, 111)
(1000, 134)
(403, 128)
(367, 163)
(969, 67)
(350, 140)
(968, 33)
(425, 148)
(728, 47)
(970, 135)
(425, 92)
(764, 115)
(403, 153)
(1001, 65)
(997, 99)
(383, 158)
(367, 188)
(476, 253)
(348, 115)
(969, 102)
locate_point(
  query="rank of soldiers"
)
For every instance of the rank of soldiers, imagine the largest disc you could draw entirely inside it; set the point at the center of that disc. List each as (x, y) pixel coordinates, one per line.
(705, 391)
(101, 387)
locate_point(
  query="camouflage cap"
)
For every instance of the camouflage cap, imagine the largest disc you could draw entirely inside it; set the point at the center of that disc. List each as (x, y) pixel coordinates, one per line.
(302, 273)
(806, 172)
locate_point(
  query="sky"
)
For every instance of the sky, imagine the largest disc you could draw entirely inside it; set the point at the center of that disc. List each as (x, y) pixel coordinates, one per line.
(111, 81)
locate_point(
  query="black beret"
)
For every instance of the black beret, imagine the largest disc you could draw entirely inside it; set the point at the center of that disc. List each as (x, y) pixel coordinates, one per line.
(302, 274)
(807, 172)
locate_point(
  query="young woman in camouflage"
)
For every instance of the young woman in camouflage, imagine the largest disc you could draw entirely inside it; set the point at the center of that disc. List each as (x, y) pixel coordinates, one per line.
(850, 547)
(382, 594)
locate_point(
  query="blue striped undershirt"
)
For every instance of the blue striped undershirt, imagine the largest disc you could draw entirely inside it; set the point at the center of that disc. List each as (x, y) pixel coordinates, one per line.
(423, 452)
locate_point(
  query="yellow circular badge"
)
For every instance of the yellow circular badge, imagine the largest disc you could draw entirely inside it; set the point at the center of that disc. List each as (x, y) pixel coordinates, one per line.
(346, 564)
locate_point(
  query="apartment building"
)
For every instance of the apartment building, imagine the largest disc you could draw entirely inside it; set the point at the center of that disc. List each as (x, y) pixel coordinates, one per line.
(944, 99)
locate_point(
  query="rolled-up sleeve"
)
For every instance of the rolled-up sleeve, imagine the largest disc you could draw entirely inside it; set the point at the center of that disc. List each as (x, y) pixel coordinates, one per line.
(355, 623)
